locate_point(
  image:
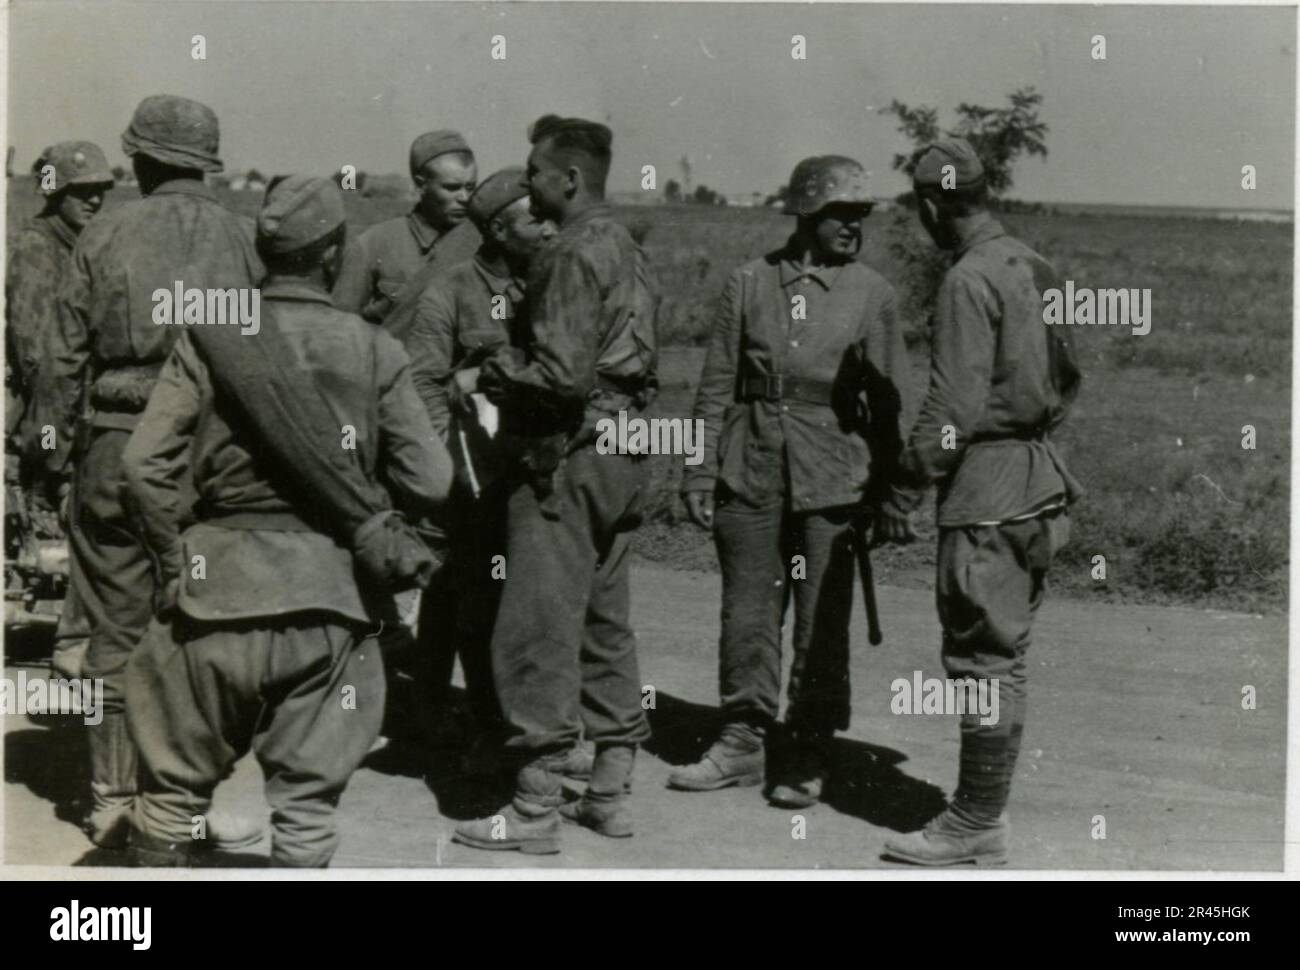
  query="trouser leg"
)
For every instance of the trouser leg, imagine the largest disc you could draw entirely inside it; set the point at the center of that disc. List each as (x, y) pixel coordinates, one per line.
(192, 692)
(536, 643)
(119, 578)
(819, 674)
(324, 694)
(991, 581)
(751, 547)
(611, 681)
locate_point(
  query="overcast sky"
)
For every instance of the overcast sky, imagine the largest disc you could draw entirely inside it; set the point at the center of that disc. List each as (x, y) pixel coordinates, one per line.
(1185, 97)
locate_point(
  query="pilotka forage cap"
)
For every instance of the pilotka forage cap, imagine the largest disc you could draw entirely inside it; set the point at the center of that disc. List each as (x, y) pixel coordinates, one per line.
(175, 131)
(73, 163)
(434, 143)
(297, 211)
(496, 192)
(967, 170)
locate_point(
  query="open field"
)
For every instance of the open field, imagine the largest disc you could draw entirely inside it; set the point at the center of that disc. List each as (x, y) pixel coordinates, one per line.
(1181, 511)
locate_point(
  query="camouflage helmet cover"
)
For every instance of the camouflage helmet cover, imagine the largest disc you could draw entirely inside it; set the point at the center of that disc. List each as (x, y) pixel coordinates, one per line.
(71, 163)
(175, 131)
(825, 179)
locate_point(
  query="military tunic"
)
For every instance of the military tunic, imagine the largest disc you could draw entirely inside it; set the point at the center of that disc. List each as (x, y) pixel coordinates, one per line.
(801, 401)
(995, 379)
(381, 267)
(275, 628)
(563, 652)
(107, 351)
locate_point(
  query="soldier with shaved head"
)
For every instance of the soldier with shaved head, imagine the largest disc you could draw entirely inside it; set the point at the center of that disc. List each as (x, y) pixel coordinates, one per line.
(392, 262)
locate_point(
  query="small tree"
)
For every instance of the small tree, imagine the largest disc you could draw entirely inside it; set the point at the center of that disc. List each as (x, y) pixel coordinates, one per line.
(673, 191)
(1000, 136)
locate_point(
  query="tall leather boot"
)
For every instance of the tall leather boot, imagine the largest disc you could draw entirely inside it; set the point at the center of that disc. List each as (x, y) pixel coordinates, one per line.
(603, 807)
(113, 781)
(531, 822)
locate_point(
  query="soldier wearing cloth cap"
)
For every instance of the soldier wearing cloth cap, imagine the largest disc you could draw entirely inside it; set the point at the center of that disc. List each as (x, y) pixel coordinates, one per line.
(462, 319)
(74, 178)
(801, 400)
(563, 654)
(274, 649)
(392, 262)
(1002, 379)
(108, 351)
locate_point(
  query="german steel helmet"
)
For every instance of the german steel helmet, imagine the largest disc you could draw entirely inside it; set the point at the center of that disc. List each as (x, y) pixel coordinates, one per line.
(824, 179)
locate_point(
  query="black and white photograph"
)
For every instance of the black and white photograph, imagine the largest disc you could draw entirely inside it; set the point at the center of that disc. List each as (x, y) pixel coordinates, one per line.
(647, 438)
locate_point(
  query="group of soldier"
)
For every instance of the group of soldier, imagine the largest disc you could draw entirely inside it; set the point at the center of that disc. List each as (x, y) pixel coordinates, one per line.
(268, 530)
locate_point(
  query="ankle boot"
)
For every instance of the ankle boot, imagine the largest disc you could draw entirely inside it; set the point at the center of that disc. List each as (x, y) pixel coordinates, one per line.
(531, 822)
(603, 807)
(736, 758)
(113, 781)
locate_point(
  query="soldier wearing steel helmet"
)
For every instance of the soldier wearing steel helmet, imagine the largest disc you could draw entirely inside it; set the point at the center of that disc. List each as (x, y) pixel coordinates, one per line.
(74, 178)
(94, 388)
(801, 400)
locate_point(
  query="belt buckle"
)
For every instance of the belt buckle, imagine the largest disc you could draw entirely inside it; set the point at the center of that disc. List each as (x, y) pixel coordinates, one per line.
(775, 387)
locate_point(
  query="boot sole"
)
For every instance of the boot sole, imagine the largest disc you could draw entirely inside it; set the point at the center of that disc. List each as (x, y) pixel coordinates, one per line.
(793, 802)
(979, 860)
(531, 847)
(599, 829)
(734, 781)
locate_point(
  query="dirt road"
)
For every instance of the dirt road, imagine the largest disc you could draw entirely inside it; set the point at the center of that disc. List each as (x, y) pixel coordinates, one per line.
(1135, 716)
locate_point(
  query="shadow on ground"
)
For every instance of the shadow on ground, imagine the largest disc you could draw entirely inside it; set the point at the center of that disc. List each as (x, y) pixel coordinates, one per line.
(52, 762)
(865, 779)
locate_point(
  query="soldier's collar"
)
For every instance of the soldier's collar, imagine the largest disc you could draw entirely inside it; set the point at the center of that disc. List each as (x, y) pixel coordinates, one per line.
(289, 288)
(793, 270)
(985, 228)
(599, 210)
(63, 233)
(498, 284)
(422, 229)
(185, 187)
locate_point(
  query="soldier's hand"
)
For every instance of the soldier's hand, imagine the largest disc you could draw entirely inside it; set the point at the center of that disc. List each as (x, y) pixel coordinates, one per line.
(699, 505)
(166, 598)
(467, 381)
(891, 525)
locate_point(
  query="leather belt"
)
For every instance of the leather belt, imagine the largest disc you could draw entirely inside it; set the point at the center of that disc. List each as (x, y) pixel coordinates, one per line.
(778, 387)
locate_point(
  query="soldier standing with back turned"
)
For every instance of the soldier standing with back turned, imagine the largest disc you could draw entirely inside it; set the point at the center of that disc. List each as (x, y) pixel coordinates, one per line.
(1002, 380)
(109, 346)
